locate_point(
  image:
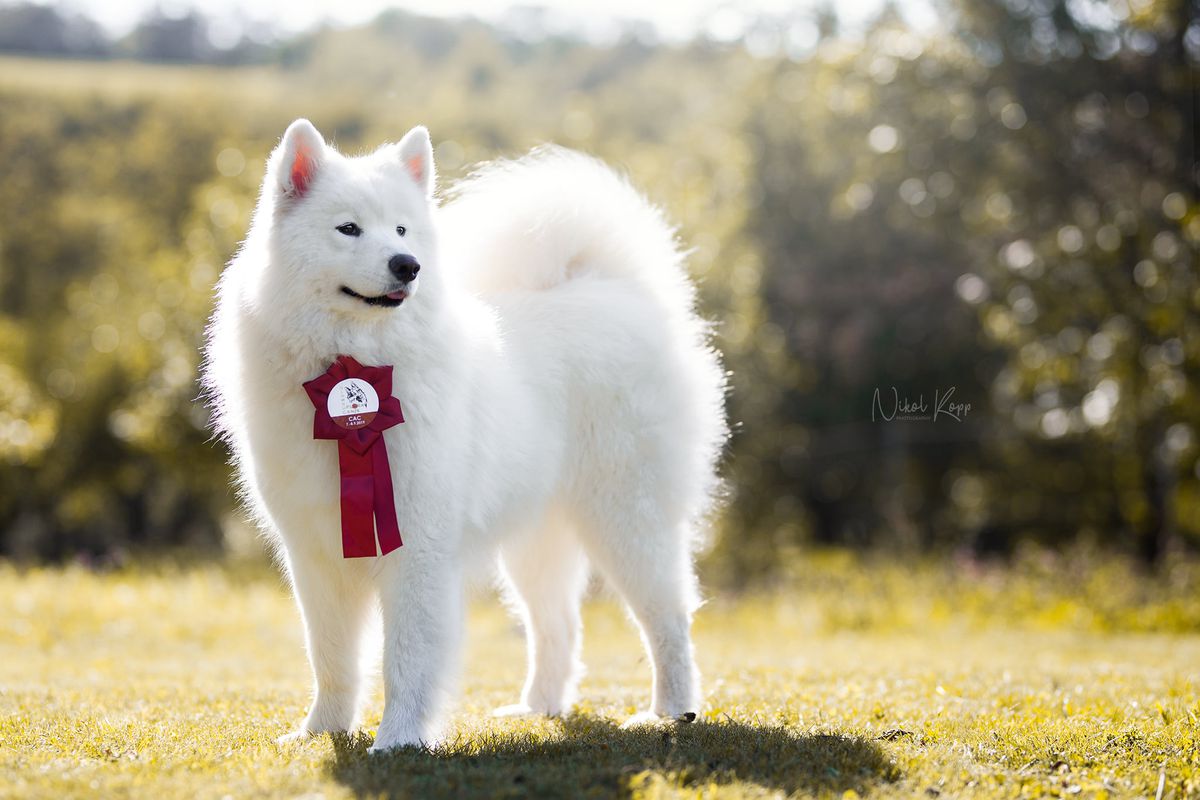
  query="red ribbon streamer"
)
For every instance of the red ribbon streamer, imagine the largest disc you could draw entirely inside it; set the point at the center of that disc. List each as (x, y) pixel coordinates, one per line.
(367, 501)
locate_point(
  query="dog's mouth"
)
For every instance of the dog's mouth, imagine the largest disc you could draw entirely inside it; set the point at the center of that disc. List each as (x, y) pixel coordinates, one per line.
(389, 300)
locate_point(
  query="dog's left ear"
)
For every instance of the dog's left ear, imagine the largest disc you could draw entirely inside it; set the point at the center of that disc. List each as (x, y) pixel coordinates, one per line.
(416, 154)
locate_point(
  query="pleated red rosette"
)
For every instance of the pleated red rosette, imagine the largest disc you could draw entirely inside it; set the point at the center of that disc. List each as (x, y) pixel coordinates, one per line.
(354, 405)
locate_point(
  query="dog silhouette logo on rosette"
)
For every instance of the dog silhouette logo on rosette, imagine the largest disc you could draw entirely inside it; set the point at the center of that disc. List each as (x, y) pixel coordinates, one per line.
(353, 403)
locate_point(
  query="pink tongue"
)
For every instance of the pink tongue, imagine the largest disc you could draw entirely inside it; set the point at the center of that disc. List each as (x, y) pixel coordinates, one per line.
(400, 295)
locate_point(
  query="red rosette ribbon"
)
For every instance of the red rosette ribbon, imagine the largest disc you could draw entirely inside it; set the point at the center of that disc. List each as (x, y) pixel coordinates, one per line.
(354, 405)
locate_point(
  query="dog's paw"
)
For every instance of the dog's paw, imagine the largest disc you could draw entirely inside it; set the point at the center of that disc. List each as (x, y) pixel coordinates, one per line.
(295, 736)
(526, 710)
(387, 741)
(643, 719)
(514, 710)
(381, 748)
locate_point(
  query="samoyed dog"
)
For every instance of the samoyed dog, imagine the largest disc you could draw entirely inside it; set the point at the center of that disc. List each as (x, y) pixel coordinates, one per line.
(563, 411)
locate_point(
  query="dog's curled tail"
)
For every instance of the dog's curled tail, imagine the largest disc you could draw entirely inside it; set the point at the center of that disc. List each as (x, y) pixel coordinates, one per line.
(554, 215)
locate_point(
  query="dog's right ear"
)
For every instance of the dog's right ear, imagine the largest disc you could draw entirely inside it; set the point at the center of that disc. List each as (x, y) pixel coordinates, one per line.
(298, 158)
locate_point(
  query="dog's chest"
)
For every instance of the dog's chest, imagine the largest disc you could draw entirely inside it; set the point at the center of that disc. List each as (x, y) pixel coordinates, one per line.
(297, 478)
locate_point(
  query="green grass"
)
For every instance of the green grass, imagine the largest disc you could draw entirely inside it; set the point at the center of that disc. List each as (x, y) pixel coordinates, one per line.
(865, 678)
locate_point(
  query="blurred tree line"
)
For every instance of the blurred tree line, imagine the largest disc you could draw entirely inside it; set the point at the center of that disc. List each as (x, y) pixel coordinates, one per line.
(189, 37)
(953, 271)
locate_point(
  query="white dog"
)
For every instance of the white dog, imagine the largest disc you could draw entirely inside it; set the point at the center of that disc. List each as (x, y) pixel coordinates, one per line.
(562, 405)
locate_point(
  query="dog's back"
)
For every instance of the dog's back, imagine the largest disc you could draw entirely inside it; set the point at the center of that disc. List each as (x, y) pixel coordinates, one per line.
(589, 281)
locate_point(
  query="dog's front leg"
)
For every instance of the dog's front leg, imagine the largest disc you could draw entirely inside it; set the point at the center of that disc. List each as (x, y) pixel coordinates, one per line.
(421, 597)
(335, 600)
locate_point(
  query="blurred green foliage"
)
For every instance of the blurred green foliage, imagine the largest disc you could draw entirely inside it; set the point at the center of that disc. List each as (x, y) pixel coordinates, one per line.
(1009, 212)
(1005, 208)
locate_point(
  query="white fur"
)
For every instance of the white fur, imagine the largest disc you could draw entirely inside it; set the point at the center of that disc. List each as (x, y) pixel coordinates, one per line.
(563, 409)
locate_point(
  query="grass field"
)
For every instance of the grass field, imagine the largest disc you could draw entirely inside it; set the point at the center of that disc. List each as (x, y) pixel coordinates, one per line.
(865, 679)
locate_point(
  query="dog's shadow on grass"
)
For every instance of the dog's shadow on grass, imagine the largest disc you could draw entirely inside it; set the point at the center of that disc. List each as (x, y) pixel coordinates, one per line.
(594, 757)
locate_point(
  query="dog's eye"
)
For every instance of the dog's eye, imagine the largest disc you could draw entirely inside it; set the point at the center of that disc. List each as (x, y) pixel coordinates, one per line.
(400, 229)
(349, 229)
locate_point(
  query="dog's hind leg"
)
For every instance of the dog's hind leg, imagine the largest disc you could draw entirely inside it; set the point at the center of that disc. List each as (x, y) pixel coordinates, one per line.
(547, 573)
(652, 571)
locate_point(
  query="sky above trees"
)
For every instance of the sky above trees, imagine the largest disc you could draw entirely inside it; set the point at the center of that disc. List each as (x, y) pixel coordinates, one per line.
(598, 19)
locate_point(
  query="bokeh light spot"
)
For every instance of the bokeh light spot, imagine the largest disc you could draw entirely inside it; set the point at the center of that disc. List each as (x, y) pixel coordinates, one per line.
(1070, 239)
(105, 338)
(883, 139)
(230, 162)
(1012, 116)
(971, 288)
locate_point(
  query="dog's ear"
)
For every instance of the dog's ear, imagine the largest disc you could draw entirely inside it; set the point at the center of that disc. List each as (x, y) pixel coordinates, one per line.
(298, 158)
(416, 154)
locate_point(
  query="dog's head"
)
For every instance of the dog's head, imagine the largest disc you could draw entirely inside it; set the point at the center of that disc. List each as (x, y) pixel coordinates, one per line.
(352, 237)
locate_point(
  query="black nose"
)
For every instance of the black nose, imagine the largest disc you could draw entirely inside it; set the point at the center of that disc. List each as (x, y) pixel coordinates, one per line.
(405, 268)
